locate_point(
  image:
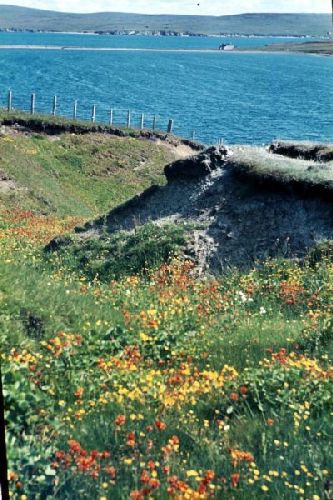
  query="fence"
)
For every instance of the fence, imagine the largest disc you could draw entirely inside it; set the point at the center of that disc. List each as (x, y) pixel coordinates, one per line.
(78, 110)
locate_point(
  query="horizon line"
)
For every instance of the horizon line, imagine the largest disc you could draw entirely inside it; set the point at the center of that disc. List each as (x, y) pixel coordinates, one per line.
(168, 14)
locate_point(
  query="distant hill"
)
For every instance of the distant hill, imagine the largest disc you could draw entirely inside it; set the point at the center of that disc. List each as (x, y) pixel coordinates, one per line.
(21, 18)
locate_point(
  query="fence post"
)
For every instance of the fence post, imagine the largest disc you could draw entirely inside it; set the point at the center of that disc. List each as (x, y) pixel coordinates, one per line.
(4, 490)
(93, 113)
(154, 122)
(170, 126)
(142, 121)
(128, 119)
(10, 100)
(33, 104)
(75, 110)
(54, 105)
(111, 117)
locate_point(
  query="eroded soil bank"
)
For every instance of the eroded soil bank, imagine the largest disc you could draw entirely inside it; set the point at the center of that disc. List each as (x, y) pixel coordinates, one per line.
(236, 219)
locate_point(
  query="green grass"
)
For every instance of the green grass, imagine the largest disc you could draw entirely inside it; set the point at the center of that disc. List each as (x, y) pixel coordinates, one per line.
(319, 48)
(78, 175)
(125, 253)
(263, 166)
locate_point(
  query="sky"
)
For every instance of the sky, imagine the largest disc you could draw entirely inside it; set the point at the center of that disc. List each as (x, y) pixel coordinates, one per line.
(199, 7)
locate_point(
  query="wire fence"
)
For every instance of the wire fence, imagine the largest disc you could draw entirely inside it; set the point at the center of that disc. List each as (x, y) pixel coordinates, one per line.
(76, 109)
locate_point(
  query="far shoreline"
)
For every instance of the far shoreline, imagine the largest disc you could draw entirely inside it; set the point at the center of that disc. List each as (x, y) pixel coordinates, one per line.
(260, 50)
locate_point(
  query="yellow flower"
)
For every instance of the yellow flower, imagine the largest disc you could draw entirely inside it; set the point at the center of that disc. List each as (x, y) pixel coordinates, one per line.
(144, 337)
(192, 473)
(264, 487)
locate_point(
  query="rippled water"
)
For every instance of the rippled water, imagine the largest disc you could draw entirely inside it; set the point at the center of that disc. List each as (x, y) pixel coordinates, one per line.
(242, 97)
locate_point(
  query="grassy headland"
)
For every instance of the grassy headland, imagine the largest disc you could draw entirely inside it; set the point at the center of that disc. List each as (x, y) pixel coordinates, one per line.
(79, 170)
(20, 18)
(324, 48)
(157, 384)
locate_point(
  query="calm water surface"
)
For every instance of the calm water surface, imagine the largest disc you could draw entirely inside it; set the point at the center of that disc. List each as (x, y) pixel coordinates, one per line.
(244, 98)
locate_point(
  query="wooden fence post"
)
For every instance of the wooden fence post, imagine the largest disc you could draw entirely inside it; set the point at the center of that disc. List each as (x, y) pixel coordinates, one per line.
(93, 113)
(170, 127)
(154, 122)
(142, 121)
(111, 117)
(33, 104)
(10, 101)
(54, 105)
(129, 119)
(75, 110)
(3, 451)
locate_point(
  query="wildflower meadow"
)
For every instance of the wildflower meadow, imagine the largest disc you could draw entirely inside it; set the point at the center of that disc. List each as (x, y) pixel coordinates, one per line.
(162, 384)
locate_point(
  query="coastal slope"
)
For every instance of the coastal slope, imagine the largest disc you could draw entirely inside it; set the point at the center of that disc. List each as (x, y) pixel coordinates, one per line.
(21, 18)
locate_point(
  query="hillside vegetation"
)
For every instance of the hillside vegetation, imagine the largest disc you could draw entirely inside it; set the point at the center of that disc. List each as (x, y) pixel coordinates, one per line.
(320, 48)
(154, 383)
(262, 24)
(76, 174)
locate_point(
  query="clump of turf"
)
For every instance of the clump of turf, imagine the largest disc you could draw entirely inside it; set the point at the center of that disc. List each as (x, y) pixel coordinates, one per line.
(125, 252)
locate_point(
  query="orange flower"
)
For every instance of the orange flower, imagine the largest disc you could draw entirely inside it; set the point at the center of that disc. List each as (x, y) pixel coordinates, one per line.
(234, 480)
(136, 495)
(120, 420)
(270, 422)
(12, 476)
(151, 464)
(240, 456)
(161, 426)
(243, 390)
(166, 470)
(131, 439)
(74, 446)
(111, 471)
(234, 396)
(145, 477)
(210, 474)
(79, 392)
(154, 483)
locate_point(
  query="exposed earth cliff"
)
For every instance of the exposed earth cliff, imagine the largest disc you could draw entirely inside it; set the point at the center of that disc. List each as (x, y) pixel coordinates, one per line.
(243, 205)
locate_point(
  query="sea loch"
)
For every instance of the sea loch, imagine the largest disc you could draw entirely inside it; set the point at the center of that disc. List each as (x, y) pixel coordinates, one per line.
(241, 97)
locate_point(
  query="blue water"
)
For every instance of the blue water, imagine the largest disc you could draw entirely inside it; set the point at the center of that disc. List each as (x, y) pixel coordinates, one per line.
(244, 98)
(134, 41)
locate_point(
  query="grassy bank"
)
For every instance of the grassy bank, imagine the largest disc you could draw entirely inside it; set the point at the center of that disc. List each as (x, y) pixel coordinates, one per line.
(76, 174)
